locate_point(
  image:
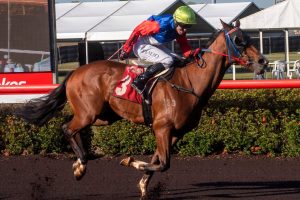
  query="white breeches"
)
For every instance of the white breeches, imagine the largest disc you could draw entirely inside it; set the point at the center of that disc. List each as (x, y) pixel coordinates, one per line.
(153, 53)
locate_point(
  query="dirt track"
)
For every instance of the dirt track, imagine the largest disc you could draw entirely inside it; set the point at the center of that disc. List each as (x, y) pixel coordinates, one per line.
(37, 177)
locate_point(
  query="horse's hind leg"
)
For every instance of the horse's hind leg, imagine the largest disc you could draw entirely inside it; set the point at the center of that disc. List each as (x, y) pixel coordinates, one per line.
(86, 108)
(74, 139)
(72, 134)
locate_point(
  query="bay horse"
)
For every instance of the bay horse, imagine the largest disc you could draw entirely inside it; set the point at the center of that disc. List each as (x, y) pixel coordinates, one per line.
(88, 90)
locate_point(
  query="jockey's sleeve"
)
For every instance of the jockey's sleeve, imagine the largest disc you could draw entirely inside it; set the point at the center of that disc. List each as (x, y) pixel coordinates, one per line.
(184, 45)
(147, 27)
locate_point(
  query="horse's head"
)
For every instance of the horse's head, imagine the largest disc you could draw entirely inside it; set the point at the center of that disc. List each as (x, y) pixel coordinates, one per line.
(241, 50)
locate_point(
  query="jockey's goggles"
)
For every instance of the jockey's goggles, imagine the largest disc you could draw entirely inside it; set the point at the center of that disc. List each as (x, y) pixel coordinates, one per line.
(184, 26)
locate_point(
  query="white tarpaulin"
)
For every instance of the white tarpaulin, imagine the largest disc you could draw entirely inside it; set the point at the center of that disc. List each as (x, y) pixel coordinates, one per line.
(228, 12)
(284, 15)
(112, 21)
(63, 8)
(281, 16)
(78, 20)
(122, 22)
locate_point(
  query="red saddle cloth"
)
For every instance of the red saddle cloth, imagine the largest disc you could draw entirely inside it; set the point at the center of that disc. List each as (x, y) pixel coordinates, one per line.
(123, 88)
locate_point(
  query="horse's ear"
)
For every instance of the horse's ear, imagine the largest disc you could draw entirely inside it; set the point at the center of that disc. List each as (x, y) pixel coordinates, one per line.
(237, 23)
(225, 26)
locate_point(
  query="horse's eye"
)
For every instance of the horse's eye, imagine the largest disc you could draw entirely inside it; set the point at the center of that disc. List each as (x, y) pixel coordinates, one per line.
(238, 41)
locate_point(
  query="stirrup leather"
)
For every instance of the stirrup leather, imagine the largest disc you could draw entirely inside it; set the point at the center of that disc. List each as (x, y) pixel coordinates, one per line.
(138, 87)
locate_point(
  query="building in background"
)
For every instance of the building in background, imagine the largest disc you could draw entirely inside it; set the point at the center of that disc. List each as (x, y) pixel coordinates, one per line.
(26, 44)
(24, 35)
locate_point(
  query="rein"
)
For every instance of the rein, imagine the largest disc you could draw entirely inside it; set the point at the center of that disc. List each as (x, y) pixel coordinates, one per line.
(238, 60)
(115, 53)
(235, 58)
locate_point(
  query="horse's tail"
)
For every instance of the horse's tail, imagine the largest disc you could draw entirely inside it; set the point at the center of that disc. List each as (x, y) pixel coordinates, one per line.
(40, 110)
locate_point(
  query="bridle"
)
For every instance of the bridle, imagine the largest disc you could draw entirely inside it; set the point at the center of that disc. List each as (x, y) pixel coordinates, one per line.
(232, 46)
(235, 48)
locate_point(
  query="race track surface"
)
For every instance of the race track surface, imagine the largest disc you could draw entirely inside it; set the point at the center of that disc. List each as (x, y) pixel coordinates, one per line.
(225, 177)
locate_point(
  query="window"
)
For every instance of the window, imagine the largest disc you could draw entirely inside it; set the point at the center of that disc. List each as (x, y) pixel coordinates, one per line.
(24, 40)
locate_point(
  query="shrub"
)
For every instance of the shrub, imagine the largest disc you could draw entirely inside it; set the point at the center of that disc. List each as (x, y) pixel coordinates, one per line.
(248, 121)
(124, 137)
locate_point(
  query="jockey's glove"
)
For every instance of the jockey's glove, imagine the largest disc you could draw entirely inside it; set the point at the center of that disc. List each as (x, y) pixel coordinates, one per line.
(123, 55)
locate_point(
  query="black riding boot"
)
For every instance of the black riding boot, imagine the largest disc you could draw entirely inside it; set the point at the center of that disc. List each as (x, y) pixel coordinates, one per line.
(139, 82)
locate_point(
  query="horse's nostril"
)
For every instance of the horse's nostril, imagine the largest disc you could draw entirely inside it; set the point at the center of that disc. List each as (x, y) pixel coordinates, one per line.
(261, 61)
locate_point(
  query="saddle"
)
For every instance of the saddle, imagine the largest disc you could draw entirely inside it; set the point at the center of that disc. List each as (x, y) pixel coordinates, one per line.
(124, 90)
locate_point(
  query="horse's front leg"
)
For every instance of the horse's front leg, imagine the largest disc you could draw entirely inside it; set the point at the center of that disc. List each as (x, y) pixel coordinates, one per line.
(160, 160)
(144, 182)
(163, 142)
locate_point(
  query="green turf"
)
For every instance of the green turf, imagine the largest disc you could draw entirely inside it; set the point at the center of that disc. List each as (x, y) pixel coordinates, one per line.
(281, 56)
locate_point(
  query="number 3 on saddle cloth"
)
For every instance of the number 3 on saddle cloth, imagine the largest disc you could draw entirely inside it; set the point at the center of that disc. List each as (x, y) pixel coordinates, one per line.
(123, 88)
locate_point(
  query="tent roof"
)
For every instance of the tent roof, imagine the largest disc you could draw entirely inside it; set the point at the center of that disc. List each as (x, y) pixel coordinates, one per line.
(78, 18)
(284, 15)
(62, 9)
(103, 21)
(228, 12)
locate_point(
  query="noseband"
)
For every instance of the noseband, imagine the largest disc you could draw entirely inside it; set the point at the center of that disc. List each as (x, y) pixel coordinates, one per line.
(234, 51)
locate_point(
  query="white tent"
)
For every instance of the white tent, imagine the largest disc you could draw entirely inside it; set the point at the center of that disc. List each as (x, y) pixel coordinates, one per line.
(62, 9)
(228, 12)
(80, 18)
(121, 23)
(114, 21)
(282, 16)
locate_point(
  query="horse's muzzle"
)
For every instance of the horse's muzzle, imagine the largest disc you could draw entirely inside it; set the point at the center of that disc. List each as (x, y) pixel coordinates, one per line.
(261, 65)
(263, 61)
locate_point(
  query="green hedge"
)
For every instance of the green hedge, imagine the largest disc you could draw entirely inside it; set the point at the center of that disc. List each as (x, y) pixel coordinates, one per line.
(248, 121)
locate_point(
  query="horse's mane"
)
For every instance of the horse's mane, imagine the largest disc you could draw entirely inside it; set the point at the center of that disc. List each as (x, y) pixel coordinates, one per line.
(209, 42)
(213, 37)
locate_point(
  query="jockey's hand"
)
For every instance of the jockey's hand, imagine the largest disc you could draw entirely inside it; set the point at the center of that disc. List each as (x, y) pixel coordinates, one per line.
(123, 55)
(195, 52)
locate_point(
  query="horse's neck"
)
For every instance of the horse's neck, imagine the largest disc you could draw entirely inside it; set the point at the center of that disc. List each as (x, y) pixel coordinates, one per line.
(217, 63)
(206, 79)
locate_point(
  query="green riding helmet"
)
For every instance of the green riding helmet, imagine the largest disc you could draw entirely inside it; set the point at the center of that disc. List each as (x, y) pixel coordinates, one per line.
(185, 15)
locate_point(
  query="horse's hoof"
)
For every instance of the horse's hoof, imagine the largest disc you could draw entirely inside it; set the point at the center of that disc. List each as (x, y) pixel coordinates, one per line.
(75, 165)
(144, 197)
(79, 171)
(126, 161)
(143, 189)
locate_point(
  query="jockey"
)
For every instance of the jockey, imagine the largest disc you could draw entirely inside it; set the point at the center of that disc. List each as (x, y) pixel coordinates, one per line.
(147, 38)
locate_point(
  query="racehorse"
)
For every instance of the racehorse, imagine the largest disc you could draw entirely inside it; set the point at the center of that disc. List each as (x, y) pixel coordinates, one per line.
(89, 88)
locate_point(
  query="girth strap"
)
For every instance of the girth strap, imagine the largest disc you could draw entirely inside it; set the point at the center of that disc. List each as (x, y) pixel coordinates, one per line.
(182, 89)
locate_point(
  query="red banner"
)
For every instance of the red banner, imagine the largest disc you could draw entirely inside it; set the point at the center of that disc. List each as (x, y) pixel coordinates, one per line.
(32, 78)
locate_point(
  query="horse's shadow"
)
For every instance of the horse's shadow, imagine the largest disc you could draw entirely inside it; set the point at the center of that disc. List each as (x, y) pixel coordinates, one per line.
(229, 190)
